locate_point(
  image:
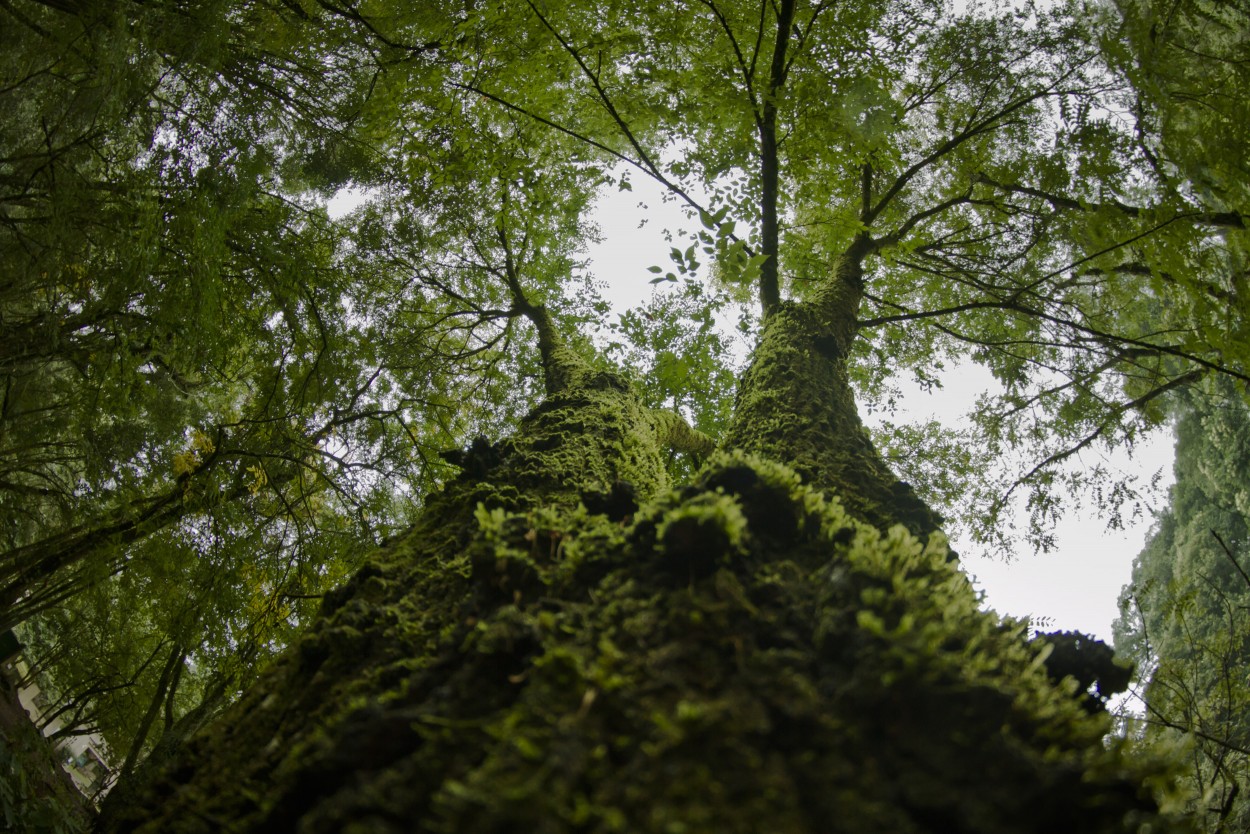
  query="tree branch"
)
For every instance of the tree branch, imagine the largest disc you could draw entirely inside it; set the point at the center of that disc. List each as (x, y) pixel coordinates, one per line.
(1245, 576)
(985, 125)
(913, 221)
(561, 365)
(1118, 411)
(655, 174)
(929, 314)
(1227, 219)
(673, 432)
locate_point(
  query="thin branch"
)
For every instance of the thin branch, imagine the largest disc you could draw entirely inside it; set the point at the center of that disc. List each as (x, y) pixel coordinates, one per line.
(1228, 219)
(913, 221)
(986, 125)
(1232, 558)
(1165, 349)
(1103, 427)
(602, 94)
(353, 13)
(654, 174)
(929, 314)
(748, 72)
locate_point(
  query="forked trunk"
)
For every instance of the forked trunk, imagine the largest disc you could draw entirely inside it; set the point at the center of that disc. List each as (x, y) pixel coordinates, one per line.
(564, 643)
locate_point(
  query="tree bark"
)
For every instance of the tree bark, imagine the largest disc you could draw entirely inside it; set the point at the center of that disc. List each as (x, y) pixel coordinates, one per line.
(796, 404)
(170, 672)
(745, 653)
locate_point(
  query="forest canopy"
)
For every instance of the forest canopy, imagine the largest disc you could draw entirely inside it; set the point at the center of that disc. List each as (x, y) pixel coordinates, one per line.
(210, 384)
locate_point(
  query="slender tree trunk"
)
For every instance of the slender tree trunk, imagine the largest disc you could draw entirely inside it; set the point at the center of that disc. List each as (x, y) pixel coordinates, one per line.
(33, 573)
(566, 643)
(45, 573)
(168, 675)
(770, 163)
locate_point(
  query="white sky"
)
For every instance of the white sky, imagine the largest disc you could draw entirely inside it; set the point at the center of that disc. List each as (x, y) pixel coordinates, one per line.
(1077, 585)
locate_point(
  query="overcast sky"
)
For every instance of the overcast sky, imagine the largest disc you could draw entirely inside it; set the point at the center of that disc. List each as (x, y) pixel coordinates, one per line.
(1078, 585)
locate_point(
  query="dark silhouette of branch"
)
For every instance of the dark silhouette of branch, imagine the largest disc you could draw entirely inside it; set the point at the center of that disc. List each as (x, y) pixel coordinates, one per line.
(1232, 558)
(1227, 219)
(985, 125)
(1100, 430)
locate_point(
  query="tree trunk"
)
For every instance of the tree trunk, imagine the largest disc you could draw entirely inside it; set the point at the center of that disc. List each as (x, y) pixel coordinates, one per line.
(796, 406)
(169, 675)
(564, 643)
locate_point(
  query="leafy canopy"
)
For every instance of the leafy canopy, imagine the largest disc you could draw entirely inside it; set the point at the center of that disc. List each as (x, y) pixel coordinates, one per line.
(208, 382)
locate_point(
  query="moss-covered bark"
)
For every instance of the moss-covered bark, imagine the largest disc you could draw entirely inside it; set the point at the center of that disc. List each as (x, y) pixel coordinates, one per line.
(796, 404)
(565, 643)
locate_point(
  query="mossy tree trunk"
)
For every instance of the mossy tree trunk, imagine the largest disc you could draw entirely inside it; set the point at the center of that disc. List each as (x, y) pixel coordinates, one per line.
(796, 405)
(566, 642)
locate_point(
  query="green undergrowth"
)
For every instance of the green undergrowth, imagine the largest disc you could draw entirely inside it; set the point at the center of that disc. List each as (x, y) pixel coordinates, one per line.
(736, 655)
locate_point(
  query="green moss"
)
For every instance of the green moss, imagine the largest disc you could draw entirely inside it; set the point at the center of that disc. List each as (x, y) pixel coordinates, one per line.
(795, 404)
(802, 672)
(744, 653)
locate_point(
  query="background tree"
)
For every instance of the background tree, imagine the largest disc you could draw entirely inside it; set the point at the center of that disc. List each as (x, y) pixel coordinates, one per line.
(1187, 59)
(1184, 615)
(197, 394)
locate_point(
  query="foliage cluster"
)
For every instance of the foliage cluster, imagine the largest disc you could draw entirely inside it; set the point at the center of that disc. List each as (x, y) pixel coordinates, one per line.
(211, 400)
(1184, 617)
